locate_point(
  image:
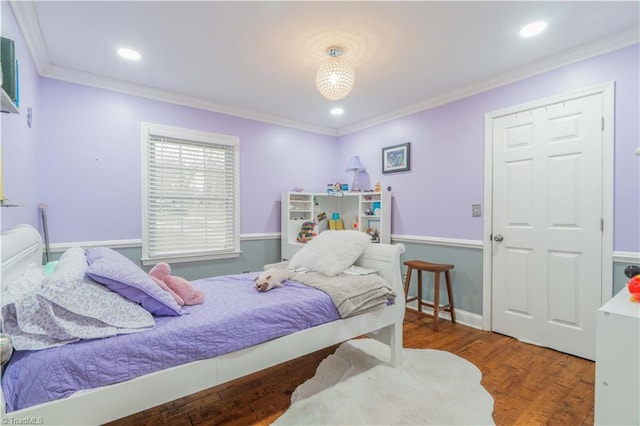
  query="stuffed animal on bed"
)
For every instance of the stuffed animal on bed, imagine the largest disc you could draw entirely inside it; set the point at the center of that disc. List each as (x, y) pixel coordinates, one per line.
(306, 232)
(180, 289)
(269, 279)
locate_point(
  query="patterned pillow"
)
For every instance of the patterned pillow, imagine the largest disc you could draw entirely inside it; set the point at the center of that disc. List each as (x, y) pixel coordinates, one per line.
(67, 306)
(119, 274)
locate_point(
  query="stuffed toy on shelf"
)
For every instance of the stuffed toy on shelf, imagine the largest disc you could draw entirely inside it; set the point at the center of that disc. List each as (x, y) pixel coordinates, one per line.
(306, 232)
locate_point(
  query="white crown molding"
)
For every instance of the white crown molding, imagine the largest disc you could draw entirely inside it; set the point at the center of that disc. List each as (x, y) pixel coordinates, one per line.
(584, 51)
(88, 79)
(25, 14)
(438, 241)
(27, 20)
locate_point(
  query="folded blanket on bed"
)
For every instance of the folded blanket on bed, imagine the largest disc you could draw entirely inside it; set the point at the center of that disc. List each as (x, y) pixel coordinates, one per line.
(352, 294)
(40, 312)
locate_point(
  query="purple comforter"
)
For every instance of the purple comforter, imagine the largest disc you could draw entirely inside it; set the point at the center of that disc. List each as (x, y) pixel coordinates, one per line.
(234, 316)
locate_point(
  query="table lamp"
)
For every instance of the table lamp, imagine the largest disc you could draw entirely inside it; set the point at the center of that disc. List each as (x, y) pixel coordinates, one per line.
(356, 167)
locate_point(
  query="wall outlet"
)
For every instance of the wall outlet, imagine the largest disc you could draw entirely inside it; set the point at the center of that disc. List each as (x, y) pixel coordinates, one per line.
(475, 210)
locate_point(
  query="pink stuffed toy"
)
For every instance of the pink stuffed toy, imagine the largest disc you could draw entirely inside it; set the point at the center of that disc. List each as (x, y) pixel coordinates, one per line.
(181, 289)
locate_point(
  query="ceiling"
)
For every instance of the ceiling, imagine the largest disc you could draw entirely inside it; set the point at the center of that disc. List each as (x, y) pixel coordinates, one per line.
(259, 59)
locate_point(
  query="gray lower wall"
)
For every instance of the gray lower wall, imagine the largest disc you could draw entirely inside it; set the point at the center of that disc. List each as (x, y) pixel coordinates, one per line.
(619, 279)
(466, 276)
(255, 254)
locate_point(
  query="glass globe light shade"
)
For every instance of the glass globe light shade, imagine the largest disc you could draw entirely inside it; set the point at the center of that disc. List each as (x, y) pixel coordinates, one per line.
(335, 78)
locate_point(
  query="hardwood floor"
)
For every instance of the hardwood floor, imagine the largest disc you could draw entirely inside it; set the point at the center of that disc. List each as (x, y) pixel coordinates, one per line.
(530, 385)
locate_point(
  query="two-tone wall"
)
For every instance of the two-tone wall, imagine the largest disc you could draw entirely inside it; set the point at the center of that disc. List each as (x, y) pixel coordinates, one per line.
(81, 157)
(432, 204)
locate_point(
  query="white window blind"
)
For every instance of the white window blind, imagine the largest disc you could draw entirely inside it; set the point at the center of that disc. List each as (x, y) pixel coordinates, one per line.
(191, 201)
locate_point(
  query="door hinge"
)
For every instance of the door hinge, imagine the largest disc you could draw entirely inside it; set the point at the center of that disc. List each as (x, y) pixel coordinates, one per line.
(602, 123)
(601, 225)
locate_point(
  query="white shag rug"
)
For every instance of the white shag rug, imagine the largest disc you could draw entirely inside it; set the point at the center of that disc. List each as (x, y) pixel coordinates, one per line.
(357, 386)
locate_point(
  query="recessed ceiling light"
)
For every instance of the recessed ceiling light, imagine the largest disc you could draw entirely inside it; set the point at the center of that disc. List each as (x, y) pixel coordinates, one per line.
(337, 111)
(130, 54)
(533, 29)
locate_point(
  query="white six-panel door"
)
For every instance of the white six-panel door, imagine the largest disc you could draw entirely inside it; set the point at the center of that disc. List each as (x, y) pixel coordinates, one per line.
(546, 249)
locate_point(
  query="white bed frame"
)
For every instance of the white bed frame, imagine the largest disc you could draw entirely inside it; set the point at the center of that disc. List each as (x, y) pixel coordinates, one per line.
(22, 246)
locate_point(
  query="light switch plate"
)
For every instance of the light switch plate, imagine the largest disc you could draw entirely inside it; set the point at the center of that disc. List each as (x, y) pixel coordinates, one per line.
(476, 210)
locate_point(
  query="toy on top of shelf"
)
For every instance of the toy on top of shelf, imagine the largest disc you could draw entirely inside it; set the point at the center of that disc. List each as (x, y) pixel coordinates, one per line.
(378, 187)
(337, 189)
(306, 233)
(634, 288)
(631, 271)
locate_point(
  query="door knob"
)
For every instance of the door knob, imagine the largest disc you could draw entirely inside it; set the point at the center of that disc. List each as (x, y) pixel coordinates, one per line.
(498, 238)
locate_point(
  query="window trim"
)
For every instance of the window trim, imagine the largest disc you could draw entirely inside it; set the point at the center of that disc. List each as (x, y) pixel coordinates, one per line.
(199, 137)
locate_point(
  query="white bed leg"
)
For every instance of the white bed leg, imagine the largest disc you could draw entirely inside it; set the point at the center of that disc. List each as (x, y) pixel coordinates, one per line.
(395, 344)
(391, 336)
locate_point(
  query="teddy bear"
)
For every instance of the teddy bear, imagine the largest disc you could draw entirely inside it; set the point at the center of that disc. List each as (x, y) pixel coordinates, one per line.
(181, 289)
(269, 279)
(306, 232)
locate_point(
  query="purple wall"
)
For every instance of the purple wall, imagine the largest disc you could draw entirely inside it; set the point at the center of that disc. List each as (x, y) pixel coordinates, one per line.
(82, 155)
(20, 144)
(434, 198)
(92, 170)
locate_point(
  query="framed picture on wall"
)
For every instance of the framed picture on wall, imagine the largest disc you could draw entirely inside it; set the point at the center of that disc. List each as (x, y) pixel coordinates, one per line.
(396, 158)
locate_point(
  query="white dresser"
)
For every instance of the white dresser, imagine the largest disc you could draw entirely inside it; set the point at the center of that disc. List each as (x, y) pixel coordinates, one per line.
(617, 399)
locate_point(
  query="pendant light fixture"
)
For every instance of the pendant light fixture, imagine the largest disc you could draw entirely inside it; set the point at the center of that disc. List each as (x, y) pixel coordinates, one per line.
(335, 76)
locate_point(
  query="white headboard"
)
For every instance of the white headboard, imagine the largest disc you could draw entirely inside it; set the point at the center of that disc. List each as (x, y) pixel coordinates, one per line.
(20, 246)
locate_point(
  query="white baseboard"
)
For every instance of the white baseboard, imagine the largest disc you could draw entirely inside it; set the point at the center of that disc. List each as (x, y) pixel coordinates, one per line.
(462, 317)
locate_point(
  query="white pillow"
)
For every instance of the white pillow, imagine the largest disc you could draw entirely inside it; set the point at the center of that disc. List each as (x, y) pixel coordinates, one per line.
(331, 252)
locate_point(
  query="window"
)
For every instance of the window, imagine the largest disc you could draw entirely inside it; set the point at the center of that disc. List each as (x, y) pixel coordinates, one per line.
(190, 195)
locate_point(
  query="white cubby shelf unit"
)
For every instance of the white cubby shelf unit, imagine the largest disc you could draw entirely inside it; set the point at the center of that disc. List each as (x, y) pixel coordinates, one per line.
(363, 211)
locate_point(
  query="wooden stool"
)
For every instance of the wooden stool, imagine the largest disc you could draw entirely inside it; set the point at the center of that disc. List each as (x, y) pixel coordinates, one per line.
(436, 268)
